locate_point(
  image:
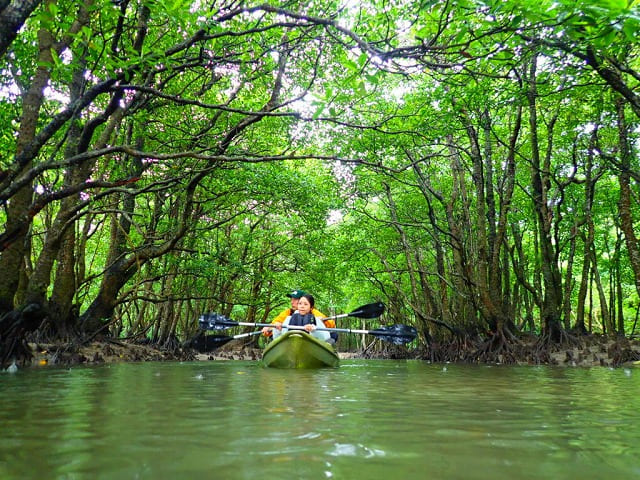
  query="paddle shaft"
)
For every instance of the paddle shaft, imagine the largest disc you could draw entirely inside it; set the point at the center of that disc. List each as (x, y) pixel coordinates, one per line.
(321, 329)
(397, 334)
(332, 317)
(243, 335)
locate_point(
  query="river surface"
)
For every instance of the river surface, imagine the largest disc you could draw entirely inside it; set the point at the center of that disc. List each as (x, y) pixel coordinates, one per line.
(368, 419)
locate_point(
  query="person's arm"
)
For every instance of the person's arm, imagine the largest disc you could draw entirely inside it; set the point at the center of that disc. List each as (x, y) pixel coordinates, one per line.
(277, 322)
(321, 334)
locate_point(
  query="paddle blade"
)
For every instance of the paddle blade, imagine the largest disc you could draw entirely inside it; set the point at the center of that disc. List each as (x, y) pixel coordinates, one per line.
(372, 310)
(215, 321)
(216, 341)
(396, 334)
(207, 343)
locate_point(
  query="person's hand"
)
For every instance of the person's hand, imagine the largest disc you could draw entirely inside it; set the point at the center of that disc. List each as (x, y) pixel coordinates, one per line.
(309, 327)
(269, 330)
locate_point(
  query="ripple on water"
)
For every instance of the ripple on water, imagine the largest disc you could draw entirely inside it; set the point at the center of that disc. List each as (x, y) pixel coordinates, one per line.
(355, 450)
(366, 419)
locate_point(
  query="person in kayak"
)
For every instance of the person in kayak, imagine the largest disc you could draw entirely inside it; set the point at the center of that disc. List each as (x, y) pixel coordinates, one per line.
(287, 312)
(304, 317)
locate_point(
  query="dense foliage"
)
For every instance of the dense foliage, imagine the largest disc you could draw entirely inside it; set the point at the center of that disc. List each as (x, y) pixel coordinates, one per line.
(472, 163)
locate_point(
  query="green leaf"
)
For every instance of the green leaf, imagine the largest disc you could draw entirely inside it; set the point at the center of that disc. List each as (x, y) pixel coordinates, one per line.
(631, 28)
(320, 108)
(328, 92)
(351, 65)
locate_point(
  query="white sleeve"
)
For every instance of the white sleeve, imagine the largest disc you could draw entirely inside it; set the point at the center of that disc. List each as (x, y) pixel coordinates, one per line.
(277, 333)
(321, 334)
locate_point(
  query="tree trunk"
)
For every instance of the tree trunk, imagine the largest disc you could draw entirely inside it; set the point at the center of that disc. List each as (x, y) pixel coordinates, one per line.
(19, 208)
(582, 293)
(607, 326)
(569, 282)
(12, 18)
(620, 296)
(624, 203)
(552, 283)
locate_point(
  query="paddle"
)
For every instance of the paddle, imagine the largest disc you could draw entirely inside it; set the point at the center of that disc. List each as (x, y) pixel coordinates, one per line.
(371, 310)
(207, 343)
(219, 340)
(397, 334)
(215, 321)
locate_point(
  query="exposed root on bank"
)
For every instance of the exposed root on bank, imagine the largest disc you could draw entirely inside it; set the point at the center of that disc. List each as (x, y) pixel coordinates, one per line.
(577, 350)
(574, 350)
(97, 352)
(500, 346)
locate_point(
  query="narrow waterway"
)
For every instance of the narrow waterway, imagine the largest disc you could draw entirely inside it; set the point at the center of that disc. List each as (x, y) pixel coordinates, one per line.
(365, 420)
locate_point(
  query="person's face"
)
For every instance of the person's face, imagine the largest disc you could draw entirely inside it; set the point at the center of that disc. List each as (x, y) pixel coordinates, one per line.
(304, 306)
(294, 303)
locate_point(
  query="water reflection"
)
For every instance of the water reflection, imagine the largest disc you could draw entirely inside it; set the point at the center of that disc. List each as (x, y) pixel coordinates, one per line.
(366, 419)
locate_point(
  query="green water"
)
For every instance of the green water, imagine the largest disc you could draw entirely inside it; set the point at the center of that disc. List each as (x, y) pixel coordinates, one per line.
(364, 420)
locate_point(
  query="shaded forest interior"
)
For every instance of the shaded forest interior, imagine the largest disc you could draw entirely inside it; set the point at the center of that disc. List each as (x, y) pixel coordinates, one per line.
(472, 164)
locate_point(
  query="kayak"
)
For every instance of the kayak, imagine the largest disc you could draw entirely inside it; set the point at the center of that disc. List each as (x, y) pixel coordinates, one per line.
(298, 349)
